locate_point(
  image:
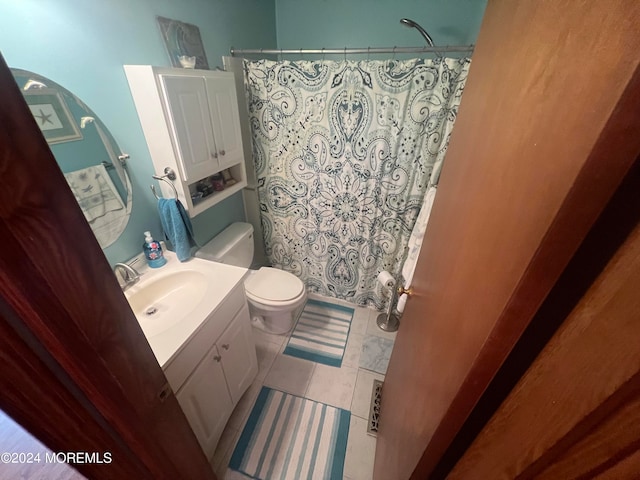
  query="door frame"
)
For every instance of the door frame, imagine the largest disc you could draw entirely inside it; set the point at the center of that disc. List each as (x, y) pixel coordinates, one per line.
(609, 233)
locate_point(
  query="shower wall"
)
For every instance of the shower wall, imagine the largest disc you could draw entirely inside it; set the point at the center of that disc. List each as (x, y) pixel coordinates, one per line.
(358, 23)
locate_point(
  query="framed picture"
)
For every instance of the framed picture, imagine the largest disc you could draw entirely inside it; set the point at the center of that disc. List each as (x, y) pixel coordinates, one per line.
(182, 39)
(52, 115)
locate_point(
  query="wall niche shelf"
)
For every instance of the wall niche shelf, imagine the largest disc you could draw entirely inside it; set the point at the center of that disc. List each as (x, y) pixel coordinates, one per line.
(200, 206)
(191, 124)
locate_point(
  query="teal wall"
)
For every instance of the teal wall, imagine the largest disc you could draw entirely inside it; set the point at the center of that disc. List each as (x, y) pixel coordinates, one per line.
(375, 23)
(82, 46)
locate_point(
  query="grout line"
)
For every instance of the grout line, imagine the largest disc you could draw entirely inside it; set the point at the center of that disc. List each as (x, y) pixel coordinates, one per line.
(358, 416)
(306, 390)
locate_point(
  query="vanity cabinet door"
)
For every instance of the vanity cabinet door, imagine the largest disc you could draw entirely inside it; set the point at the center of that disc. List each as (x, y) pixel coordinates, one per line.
(206, 402)
(190, 121)
(238, 352)
(223, 106)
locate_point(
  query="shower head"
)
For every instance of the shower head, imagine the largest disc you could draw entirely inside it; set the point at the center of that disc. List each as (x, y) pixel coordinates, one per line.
(410, 23)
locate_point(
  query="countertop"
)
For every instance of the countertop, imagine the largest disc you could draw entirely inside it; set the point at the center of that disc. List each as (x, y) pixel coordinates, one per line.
(223, 279)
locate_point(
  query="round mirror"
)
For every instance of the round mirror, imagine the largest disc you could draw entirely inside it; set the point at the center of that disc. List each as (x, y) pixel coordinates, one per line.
(86, 152)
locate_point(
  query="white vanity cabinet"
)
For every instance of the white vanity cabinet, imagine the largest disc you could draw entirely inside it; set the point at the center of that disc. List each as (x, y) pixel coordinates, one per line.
(215, 367)
(191, 124)
(206, 402)
(240, 369)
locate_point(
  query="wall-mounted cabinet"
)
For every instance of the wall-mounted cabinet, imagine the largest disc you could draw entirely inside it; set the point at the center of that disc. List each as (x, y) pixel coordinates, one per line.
(191, 125)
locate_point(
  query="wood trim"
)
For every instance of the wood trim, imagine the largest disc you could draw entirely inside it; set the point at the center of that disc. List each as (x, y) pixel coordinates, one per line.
(626, 468)
(575, 413)
(601, 440)
(56, 280)
(610, 231)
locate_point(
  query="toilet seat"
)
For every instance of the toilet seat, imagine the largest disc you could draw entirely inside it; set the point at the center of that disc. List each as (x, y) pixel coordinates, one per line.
(271, 286)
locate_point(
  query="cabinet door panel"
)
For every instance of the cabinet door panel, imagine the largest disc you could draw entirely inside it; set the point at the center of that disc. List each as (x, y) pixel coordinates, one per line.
(206, 402)
(238, 354)
(191, 124)
(226, 121)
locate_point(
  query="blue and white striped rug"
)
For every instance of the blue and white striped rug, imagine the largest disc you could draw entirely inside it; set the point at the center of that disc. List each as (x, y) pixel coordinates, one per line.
(321, 333)
(289, 437)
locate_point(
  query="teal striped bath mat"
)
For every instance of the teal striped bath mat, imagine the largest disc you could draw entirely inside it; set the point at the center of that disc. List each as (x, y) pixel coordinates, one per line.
(321, 333)
(289, 437)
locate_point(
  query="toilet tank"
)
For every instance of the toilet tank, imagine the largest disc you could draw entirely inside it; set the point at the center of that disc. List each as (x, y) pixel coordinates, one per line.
(233, 246)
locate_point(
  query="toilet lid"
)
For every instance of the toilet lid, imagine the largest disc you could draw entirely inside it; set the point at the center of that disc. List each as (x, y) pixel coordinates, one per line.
(272, 284)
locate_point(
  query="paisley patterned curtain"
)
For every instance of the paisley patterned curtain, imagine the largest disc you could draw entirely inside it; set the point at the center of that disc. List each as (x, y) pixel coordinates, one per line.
(344, 153)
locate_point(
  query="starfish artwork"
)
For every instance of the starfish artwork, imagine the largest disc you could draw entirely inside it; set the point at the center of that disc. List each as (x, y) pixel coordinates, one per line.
(51, 113)
(44, 118)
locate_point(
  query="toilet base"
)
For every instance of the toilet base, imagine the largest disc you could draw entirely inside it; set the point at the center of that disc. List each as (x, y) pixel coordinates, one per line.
(275, 322)
(259, 322)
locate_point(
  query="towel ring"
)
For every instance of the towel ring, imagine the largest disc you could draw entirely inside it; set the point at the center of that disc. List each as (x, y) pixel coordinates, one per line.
(169, 174)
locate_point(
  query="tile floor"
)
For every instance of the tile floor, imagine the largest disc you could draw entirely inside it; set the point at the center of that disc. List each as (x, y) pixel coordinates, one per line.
(348, 387)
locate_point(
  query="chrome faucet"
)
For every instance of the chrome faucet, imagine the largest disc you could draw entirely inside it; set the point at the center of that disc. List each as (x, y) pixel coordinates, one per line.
(126, 275)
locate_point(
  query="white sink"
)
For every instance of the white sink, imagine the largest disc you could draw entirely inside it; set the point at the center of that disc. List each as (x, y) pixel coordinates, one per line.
(172, 302)
(166, 300)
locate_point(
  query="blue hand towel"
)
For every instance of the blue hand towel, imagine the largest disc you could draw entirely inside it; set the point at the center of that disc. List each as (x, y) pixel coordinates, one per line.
(177, 226)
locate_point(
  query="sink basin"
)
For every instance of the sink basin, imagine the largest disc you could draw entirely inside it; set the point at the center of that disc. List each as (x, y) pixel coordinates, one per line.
(171, 303)
(162, 302)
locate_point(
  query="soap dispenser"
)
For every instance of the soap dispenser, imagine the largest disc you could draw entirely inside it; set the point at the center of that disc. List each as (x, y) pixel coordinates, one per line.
(153, 251)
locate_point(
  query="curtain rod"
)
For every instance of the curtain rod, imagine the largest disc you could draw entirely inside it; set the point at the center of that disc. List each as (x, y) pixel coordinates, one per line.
(348, 51)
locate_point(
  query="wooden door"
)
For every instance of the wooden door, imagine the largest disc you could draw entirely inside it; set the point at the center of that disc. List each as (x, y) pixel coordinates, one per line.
(238, 352)
(206, 401)
(191, 125)
(574, 413)
(76, 370)
(547, 128)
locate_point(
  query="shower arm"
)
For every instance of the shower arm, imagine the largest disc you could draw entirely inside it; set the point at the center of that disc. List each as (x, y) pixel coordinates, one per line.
(410, 23)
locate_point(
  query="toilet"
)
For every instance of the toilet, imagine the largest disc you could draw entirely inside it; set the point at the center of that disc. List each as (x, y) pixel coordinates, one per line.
(275, 297)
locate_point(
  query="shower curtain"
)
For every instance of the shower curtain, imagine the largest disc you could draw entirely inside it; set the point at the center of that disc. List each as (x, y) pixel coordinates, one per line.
(344, 153)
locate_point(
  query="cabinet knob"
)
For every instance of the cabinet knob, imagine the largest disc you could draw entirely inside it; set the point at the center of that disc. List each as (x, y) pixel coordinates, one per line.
(225, 346)
(214, 155)
(222, 152)
(217, 358)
